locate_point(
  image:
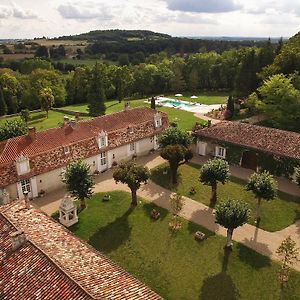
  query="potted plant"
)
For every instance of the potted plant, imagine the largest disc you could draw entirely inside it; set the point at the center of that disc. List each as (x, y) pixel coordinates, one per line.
(106, 198)
(42, 193)
(154, 214)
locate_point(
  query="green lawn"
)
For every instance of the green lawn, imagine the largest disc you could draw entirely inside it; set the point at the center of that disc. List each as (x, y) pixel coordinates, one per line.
(40, 122)
(275, 215)
(174, 264)
(203, 97)
(184, 119)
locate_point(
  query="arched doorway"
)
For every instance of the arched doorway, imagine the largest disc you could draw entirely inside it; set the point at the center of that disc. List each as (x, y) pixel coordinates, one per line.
(249, 160)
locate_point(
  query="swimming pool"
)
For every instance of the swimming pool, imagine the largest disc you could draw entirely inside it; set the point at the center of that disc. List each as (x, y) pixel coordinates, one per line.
(175, 103)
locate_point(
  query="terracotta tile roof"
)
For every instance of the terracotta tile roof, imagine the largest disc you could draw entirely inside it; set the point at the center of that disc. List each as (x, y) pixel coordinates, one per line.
(270, 140)
(27, 273)
(86, 267)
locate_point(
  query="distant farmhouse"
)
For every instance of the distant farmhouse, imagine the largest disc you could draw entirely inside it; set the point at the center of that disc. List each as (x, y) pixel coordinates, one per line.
(251, 146)
(33, 163)
(40, 259)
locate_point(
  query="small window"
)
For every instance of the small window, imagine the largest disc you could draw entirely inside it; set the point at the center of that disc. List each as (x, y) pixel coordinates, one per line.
(151, 139)
(102, 141)
(67, 150)
(23, 167)
(221, 152)
(132, 147)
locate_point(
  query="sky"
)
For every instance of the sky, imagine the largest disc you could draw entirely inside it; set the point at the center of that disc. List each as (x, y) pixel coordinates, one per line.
(53, 18)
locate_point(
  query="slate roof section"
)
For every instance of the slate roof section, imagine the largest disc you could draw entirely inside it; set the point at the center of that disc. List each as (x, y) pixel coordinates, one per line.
(270, 140)
(72, 265)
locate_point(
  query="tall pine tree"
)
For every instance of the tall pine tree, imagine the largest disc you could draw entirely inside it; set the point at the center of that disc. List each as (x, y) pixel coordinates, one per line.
(96, 93)
(3, 106)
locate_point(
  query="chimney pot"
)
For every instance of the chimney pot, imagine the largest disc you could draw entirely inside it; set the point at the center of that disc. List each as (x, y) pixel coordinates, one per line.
(72, 123)
(66, 120)
(18, 239)
(31, 132)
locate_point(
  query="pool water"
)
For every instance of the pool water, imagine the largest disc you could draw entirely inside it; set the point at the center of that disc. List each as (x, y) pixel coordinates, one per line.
(175, 103)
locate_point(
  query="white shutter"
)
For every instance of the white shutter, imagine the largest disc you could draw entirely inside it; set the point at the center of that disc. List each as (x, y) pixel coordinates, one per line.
(34, 191)
(19, 189)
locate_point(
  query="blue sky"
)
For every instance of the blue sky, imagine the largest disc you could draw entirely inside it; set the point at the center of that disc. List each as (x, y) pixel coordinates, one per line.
(32, 18)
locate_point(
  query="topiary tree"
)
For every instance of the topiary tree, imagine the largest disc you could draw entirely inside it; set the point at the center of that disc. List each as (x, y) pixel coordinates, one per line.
(133, 175)
(46, 99)
(79, 180)
(214, 171)
(289, 253)
(25, 114)
(231, 215)
(297, 179)
(174, 145)
(263, 186)
(153, 105)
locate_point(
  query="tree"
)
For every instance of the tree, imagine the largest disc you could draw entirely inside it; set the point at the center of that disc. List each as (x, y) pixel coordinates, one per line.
(12, 128)
(289, 253)
(212, 172)
(153, 106)
(3, 106)
(230, 106)
(123, 59)
(297, 173)
(42, 51)
(263, 186)
(193, 80)
(231, 215)
(46, 99)
(25, 114)
(176, 203)
(79, 180)
(96, 93)
(174, 145)
(133, 175)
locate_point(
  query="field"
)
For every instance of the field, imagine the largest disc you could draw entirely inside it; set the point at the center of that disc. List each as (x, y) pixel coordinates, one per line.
(174, 264)
(203, 97)
(16, 56)
(275, 215)
(56, 43)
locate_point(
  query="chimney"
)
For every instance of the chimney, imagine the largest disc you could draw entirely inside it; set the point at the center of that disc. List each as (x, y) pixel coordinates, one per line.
(127, 106)
(72, 123)
(18, 239)
(208, 123)
(31, 133)
(66, 120)
(27, 204)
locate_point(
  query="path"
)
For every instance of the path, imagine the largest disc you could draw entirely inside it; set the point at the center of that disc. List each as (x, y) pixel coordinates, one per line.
(260, 240)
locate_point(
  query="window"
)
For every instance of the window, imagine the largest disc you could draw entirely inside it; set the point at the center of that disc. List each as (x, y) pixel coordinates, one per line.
(102, 141)
(132, 146)
(25, 184)
(67, 150)
(103, 159)
(23, 167)
(220, 152)
(151, 139)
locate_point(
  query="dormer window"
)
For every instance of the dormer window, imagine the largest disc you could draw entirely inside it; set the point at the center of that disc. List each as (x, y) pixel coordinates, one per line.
(130, 130)
(66, 149)
(22, 165)
(102, 139)
(157, 120)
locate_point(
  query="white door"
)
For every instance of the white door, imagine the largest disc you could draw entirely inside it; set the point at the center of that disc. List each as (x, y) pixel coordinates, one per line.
(24, 185)
(102, 162)
(202, 148)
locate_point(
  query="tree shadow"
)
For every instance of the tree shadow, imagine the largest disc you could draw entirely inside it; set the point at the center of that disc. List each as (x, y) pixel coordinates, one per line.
(193, 228)
(219, 287)
(253, 258)
(148, 207)
(113, 235)
(37, 117)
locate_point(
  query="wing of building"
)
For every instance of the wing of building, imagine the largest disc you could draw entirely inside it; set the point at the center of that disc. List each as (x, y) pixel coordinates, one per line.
(34, 162)
(40, 259)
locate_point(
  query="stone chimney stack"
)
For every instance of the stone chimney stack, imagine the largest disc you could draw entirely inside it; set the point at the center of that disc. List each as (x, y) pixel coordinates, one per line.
(26, 198)
(18, 239)
(72, 123)
(126, 106)
(31, 133)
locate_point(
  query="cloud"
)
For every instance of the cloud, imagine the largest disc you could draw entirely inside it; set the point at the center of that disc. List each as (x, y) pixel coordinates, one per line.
(71, 11)
(5, 12)
(16, 12)
(203, 6)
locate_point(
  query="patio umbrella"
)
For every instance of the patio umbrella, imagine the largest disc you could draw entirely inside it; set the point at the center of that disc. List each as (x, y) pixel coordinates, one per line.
(178, 95)
(194, 97)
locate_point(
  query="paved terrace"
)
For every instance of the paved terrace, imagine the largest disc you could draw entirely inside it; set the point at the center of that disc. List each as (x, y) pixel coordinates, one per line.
(260, 240)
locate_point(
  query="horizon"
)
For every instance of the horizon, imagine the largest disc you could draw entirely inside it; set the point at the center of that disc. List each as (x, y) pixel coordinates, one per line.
(219, 18)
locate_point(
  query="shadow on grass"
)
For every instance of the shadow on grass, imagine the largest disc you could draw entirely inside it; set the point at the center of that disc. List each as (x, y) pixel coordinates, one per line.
(147, 207)
(113, 235)
(219, 287)
(37, 117)
(253, 258)
(192, 228)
